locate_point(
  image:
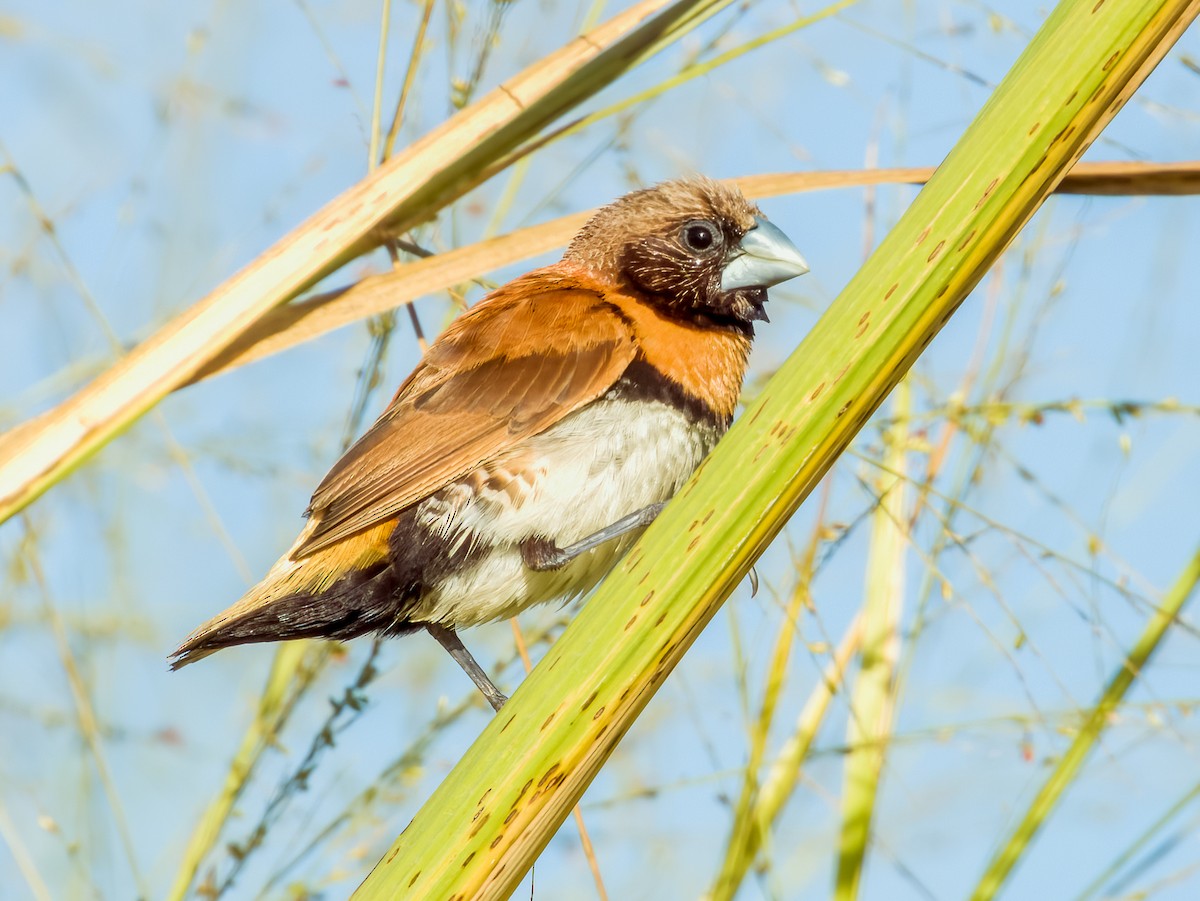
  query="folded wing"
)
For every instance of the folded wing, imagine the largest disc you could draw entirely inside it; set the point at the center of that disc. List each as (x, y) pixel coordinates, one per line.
(517, 363)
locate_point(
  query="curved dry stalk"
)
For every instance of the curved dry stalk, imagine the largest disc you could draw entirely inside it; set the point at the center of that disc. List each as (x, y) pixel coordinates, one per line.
(295, 323)
(144, 377)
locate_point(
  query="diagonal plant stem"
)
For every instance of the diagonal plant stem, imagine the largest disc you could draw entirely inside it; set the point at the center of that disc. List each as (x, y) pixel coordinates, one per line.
(704, 67)
(1097, 720)
(410, 75)
(484, 826)
(385, 20)
(585, 840)
(392, 780)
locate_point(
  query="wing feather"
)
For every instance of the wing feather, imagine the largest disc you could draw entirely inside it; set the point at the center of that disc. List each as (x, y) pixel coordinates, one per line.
(517, 363)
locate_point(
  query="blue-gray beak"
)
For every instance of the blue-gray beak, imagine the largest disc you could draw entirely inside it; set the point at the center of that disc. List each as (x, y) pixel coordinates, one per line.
(764, 257)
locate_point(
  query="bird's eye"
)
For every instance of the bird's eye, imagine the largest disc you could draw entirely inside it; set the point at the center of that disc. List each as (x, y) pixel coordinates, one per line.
(699, 236)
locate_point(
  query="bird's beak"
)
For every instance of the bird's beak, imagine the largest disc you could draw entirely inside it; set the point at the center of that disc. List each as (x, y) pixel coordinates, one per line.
(764, 257)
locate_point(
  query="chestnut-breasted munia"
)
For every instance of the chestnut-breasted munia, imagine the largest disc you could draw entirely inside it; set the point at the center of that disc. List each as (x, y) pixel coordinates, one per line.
(539, 435)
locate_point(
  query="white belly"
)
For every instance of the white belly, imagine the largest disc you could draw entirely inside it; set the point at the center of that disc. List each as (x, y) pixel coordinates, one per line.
(608, 460)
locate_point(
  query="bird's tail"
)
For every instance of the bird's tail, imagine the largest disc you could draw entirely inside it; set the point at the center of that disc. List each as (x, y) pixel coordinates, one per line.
(341, 591)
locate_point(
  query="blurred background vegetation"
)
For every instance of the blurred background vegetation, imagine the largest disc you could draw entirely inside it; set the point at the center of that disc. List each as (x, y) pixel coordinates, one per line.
(1037, 472)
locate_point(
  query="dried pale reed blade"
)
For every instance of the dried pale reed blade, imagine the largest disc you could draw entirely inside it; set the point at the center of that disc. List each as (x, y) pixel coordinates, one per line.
(1106, 178)
(408, 189)
(1133, 179)
(296, 323)
(304, 320)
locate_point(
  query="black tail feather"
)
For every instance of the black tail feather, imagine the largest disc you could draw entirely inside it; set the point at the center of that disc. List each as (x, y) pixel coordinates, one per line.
(361, 602)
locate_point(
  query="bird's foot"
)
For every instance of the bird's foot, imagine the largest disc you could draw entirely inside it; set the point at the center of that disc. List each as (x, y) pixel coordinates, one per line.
(542, 554)
(449, 639)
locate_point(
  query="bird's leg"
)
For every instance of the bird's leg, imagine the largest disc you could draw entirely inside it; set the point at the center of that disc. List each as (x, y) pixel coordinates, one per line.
(541, 555)
(449, 639)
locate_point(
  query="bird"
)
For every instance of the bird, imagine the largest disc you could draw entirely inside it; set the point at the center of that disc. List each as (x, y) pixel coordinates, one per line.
(538, 436)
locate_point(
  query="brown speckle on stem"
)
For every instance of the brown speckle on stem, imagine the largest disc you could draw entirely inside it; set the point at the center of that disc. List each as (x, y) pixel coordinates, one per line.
(987, 192)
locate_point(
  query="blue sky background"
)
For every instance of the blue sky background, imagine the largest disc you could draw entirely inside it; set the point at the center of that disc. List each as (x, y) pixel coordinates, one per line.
(171, 143)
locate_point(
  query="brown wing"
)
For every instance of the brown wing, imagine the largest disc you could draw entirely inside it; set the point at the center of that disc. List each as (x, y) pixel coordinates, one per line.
(518, 362)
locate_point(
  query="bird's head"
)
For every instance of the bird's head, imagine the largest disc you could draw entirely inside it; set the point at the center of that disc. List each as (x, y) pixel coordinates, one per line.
(696, 246)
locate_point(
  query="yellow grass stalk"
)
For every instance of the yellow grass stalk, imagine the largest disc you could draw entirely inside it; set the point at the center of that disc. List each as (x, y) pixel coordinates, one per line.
(744, 845)
(873, 702)
(481, 830)
(410, 188)
(294, 665)
(743, 819)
